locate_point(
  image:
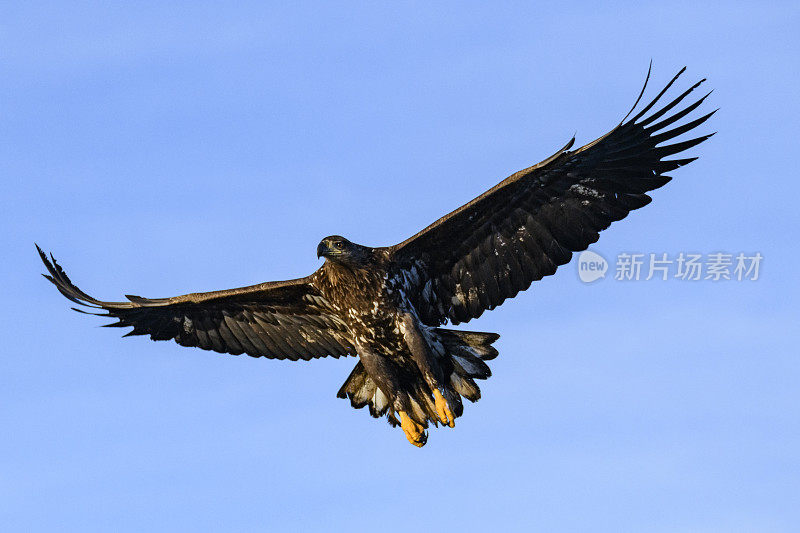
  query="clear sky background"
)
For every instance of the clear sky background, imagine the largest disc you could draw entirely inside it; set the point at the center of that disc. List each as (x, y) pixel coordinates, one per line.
(163, 149)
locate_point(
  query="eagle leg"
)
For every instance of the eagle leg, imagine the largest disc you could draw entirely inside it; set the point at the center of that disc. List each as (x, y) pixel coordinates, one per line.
(443, 410)
(415, 433)
(418, 339)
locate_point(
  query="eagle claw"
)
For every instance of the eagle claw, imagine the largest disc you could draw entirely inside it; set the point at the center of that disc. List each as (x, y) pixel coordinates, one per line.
(443, 410)
(415, 433)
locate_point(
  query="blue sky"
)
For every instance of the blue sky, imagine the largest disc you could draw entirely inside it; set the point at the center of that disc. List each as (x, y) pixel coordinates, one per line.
(159, 150)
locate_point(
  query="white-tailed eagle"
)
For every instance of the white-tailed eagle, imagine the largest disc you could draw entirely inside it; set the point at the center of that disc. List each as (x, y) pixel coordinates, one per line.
(387, 305)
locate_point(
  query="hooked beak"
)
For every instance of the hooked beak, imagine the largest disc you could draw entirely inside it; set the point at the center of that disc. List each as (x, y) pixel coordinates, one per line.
(322, 249)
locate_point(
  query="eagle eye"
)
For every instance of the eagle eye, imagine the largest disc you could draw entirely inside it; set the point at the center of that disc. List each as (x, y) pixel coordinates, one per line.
(339, 244)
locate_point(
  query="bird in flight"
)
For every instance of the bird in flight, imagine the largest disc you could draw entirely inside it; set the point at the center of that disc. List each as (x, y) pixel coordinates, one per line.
(387, 305)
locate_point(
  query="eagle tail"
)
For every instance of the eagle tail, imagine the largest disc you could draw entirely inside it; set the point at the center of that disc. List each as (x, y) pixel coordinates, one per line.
(362, 390)
(468, 352)
(465, 355)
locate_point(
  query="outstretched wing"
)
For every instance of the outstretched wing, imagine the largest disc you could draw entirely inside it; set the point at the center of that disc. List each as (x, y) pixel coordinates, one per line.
(522, 229)
(279, 320)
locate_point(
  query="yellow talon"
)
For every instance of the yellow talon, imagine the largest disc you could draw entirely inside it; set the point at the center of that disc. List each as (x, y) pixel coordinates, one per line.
(443, 410)
(415, 433)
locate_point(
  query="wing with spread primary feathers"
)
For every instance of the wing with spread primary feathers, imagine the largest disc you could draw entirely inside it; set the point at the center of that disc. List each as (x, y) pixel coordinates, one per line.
(278, 320)
(521, 230)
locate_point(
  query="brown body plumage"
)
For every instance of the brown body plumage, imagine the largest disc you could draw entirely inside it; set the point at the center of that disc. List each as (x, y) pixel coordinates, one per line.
(385, 305)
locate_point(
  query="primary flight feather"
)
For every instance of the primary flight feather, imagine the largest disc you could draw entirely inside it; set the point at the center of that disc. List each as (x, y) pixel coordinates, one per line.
(386, 305)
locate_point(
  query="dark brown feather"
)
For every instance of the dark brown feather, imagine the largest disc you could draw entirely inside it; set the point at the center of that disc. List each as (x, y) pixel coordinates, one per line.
(275, 320)
(526, 226)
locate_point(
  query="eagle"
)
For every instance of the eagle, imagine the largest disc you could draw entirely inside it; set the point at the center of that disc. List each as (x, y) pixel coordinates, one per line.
(387, 305)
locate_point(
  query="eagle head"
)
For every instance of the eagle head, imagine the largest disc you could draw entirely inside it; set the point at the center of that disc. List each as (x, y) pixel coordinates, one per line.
(339, 250)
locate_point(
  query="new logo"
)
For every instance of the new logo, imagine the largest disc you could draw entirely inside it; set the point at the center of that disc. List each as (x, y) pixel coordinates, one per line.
(591, 266)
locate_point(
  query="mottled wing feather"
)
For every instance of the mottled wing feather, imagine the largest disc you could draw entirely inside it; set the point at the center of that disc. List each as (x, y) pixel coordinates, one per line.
(521, 230)
(278, 320)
